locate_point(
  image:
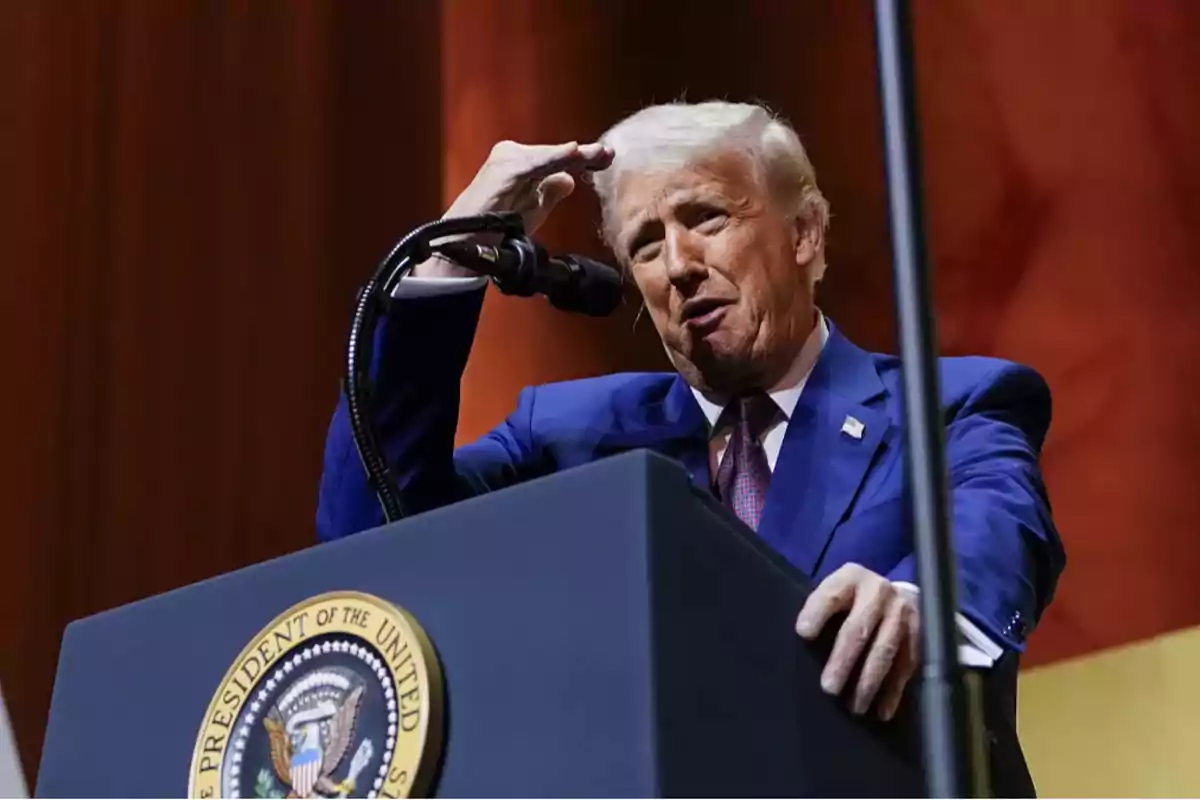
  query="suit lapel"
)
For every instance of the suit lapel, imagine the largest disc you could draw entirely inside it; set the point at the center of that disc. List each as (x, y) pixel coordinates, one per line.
(821, 466)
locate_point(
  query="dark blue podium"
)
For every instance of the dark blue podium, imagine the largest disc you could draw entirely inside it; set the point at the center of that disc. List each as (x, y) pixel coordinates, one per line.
(606, 631)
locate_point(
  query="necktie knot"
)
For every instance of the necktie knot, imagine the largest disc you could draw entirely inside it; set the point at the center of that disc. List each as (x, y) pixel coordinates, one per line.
(753, 412)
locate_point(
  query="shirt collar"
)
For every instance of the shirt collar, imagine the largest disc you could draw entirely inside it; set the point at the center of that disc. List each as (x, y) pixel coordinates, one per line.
(786, 393)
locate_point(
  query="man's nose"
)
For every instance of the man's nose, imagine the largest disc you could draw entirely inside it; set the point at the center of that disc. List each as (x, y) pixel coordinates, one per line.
(684, 259)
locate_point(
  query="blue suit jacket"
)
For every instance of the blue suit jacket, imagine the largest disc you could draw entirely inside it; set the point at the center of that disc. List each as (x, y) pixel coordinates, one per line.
(833, 499)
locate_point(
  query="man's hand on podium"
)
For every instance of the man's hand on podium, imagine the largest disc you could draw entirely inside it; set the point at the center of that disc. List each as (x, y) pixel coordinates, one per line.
(882, 620)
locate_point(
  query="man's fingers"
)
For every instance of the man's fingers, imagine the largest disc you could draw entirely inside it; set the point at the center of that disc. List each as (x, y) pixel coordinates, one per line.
(881, 657)
(853, 637)
(554, 189)
(834, 594)
(540, 160)
(595, 154)
(904, 669)
(531, 155)
(897, 681)
(547, 194)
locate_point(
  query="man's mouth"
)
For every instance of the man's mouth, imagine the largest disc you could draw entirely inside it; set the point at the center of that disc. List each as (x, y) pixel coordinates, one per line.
(703, 314)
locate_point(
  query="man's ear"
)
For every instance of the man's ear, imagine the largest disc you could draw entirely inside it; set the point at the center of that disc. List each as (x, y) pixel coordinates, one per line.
(810, 238)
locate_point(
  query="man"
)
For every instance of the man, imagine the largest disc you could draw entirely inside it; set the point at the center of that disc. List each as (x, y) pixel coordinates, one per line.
(714, 212)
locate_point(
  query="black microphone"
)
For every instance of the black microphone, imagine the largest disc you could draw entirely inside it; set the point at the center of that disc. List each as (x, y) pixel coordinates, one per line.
(522, 267)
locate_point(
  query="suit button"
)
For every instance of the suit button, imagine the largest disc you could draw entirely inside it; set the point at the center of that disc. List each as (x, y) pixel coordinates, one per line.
(1016, 626)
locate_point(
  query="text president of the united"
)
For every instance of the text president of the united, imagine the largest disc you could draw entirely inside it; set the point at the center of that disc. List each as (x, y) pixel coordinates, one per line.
(714, 211)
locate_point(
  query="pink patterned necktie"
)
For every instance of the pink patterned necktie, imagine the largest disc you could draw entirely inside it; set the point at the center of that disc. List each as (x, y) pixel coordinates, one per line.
(744, 475)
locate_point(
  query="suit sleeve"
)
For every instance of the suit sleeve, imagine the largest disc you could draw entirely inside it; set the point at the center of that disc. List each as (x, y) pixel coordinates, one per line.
(1008, 551)
(420, 353)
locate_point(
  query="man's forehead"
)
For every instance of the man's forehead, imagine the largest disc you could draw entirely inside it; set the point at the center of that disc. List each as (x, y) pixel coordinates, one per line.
(640, 192)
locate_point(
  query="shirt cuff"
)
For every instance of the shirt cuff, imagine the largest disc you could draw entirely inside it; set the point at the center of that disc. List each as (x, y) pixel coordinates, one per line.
(411, 288)
(975, 648)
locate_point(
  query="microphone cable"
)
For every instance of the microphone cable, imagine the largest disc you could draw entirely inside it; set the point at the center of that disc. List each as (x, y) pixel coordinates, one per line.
(375, 299)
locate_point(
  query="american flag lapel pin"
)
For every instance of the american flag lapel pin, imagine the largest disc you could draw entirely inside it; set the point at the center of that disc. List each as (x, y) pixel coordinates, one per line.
(853, 427)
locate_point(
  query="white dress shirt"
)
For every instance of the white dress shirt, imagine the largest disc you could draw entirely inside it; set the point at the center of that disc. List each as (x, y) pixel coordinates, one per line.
(413, 286)
(975, 648)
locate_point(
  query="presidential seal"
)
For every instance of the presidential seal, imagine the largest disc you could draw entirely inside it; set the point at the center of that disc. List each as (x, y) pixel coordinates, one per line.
(340, 696)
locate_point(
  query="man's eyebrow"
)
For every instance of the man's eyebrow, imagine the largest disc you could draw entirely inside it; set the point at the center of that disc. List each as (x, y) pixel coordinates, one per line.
(640, 230)
(638, 224)
(682, 197)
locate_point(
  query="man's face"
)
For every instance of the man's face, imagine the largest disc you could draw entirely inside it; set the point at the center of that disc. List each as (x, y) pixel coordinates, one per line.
(723, 270)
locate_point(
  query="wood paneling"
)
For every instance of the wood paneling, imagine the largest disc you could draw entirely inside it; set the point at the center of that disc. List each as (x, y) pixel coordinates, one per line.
(193, 191)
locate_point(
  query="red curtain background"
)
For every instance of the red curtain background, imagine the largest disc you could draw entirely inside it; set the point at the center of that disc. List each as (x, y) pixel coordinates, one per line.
(194, 190)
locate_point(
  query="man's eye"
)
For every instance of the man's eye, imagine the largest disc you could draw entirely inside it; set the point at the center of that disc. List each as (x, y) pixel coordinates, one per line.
(647, 251)
(711, 218)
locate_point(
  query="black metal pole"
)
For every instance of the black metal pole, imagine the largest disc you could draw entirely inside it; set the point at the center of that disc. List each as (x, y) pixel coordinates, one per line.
(950, 722)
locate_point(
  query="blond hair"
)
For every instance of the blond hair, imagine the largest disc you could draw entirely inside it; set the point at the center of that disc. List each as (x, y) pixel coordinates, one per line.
(673, 135)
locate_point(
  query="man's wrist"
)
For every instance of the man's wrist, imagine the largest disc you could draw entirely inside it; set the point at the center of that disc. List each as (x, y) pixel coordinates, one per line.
(975, 648)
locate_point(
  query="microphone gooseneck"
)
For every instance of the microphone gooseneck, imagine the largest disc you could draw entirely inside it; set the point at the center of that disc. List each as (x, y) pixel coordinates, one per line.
(518, 266)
